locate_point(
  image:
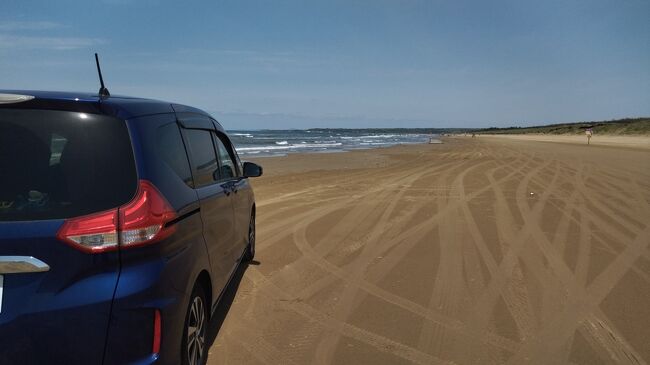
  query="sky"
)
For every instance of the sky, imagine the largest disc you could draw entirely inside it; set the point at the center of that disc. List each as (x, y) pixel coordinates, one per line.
(280, 64)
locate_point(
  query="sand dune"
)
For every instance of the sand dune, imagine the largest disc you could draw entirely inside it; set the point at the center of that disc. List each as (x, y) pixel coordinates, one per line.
(476, 251)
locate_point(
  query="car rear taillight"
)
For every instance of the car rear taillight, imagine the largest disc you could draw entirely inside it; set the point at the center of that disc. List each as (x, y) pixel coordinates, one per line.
(141, 221)
(91, 233)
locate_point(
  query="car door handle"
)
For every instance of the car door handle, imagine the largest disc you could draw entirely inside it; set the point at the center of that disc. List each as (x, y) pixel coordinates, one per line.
(229, 187)
(21, 264)
(236, 184)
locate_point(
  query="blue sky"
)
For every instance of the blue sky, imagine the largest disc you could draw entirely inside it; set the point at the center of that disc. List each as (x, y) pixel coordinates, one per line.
(330, 63)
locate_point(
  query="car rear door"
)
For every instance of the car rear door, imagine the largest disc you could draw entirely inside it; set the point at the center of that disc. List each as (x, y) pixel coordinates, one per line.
(55, 297)
(241, 192)
(214, 196)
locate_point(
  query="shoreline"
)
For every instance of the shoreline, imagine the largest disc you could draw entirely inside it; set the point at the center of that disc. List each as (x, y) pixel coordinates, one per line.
(328, 151)
(283, 142)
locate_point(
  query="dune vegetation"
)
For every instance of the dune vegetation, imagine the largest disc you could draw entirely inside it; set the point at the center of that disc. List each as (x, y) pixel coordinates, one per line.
(629, 126)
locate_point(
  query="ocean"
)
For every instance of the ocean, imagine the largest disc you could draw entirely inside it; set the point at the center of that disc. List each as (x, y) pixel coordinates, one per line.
(281, 142)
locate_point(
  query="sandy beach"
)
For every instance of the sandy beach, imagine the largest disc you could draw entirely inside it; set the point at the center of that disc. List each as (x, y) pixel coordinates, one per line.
(597, 140)
(475, 251)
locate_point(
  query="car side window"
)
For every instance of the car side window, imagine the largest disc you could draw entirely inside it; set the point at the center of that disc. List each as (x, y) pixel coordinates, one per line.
(202, 155)
(172, 150)
(228, 169)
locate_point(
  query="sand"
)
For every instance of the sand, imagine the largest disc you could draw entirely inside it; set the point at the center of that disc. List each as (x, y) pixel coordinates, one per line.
(475, 251)
(596, 140)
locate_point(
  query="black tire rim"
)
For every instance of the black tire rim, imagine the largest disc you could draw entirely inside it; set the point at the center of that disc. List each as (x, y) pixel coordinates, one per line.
(196, 332)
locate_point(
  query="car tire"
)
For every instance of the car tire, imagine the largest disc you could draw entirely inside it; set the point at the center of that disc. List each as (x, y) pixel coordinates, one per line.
(194, 349)
(249, 255)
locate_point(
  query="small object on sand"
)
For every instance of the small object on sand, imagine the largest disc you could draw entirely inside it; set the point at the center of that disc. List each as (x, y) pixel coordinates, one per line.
(531, 193)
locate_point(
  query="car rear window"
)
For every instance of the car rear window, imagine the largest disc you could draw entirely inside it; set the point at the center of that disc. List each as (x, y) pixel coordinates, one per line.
(60, 164)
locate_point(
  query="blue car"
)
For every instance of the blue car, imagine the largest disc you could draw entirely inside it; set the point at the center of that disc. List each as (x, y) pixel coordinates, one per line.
(122, 220)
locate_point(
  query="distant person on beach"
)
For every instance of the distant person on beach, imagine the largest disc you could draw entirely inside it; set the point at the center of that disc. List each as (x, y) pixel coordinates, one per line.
(589, 133)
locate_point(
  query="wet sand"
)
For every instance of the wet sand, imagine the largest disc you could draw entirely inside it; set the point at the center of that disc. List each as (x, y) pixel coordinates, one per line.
(475, 251)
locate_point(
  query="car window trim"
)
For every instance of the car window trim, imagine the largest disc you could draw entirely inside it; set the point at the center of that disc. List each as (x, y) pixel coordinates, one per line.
(231, 152)
(195, 121)
(214, 142)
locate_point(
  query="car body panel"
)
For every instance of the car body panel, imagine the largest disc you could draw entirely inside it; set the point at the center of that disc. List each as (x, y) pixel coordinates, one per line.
(48, 310)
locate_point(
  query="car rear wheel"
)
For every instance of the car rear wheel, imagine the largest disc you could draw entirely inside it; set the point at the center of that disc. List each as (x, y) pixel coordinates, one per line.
(250, 250)
(194, 347)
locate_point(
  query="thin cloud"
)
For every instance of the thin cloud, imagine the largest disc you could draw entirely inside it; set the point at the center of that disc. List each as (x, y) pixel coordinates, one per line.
(129, 2)
(270, 60)
(28, 25)
(324, 116)
(46, 43)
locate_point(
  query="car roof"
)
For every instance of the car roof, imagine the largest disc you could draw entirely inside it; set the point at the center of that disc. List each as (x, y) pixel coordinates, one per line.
(123, 107)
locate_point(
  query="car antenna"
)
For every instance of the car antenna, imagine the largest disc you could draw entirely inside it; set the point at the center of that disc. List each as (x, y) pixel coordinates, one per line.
(103, 91)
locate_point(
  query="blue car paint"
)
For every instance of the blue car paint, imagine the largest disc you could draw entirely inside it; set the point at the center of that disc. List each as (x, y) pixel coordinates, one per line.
(98, 309)
(63, 303)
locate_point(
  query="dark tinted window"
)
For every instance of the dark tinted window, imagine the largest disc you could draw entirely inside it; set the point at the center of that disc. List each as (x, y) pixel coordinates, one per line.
(227, 168)
(56, 164)
(172, 150)
(204, 159)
